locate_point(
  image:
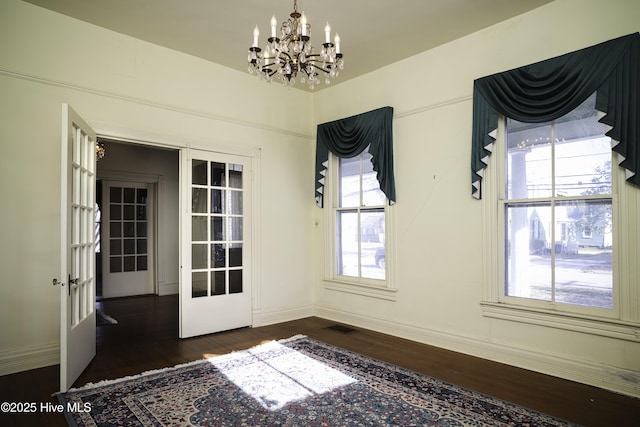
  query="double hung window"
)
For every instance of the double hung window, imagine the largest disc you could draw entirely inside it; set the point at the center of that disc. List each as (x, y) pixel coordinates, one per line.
(359, 212)
(556, 212)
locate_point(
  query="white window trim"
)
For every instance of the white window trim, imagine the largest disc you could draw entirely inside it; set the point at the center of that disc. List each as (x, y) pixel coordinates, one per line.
(623, 322)
(381, 289)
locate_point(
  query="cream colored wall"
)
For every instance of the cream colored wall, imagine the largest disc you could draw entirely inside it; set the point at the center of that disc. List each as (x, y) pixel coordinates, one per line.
(438, 225)
(130, 89)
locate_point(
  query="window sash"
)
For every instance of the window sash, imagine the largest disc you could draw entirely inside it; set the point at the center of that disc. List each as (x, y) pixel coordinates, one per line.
(497, 253)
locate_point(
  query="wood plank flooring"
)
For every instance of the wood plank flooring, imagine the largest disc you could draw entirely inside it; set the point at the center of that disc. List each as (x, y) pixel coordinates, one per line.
(145, 338)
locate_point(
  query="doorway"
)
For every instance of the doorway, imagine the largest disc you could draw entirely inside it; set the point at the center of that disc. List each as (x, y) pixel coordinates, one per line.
(138, 195)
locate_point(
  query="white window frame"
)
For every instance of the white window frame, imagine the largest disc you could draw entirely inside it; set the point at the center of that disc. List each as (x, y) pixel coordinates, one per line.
(622, 321)
(382, 289)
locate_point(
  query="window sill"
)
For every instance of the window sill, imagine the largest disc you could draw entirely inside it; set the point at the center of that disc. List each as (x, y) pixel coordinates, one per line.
(610, 328)
(372, 291)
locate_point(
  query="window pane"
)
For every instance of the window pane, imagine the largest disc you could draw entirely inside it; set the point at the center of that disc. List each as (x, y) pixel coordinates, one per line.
(350, 182)
(528, 160)
(583, 158)
(528, 251)
(235, 281)
(371, 193)
(583, 263)
(347, 243)
(372, 244)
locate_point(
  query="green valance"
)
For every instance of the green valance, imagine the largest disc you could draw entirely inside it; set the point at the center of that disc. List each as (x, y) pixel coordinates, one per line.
(348, 138)
(547, 90)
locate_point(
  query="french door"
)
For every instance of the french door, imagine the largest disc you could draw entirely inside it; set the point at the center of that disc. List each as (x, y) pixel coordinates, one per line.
(128, 239)
(77, 268)
(215, 292)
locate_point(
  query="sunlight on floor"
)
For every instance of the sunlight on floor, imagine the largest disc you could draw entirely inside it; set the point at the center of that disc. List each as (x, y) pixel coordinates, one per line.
(275, 375)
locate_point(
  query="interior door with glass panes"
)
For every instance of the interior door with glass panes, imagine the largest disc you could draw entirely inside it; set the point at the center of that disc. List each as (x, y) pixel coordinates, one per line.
(127, 239)
(215, 290)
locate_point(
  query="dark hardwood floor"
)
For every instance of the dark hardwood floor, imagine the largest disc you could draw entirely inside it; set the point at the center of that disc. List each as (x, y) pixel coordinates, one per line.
(145, 338)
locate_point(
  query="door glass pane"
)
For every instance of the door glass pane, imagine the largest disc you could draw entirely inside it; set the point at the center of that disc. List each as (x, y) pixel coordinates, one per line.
(218, 256)
(129, 246)
(217, 201)
(199, 172)
(235, 281)
(128, 212)
(235, 176)
(199, 228)
(115, 211)
(235, 228)
(141, 264)
(218, 286)
(199, 256)
(129, 195)
(217, 228)
(141, 246)
(115, 195)
(235, 202)
(217, 174)
(115, 247)
(235, 254)
(115, 264)
(141, 196)
(199, 200)
(129, 263)
(199, 284)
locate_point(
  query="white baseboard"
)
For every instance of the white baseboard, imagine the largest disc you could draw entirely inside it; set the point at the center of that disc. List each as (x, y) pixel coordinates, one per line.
(29, 358)
(598, 375)
(263, 318)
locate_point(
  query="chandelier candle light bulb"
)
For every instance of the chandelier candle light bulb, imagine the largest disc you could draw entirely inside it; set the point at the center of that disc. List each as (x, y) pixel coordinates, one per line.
(292, 56)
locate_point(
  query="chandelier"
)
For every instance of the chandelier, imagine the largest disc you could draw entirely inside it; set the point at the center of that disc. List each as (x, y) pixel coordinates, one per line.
(290, 56)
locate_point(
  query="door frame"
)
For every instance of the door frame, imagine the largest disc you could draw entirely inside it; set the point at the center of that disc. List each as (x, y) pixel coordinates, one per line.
(182, 146)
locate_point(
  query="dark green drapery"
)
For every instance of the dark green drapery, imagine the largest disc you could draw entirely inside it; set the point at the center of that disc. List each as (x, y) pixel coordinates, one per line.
(547, 90)
(349, 137)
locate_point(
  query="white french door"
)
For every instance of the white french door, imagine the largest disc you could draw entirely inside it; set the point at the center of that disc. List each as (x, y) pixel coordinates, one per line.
(216, 221)
(77, 269)
(128, 239)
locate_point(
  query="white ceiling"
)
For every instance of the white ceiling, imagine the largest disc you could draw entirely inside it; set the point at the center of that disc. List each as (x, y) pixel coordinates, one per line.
(374, 33)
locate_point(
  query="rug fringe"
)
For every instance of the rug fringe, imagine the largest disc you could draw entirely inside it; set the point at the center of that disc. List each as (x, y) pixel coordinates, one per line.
(102, 383)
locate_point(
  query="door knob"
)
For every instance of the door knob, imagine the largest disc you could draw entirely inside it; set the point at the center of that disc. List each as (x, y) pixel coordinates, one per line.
(57, 282)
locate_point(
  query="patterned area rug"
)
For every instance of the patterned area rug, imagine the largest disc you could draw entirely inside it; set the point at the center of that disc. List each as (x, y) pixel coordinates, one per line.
(294, 382)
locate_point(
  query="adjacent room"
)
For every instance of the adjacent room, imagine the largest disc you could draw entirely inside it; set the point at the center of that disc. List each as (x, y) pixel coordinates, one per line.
(448, 189)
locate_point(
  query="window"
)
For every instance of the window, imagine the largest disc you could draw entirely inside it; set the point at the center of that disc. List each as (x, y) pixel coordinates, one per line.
(360, 220)
(553, 206)
(358, 228)
(558, 191)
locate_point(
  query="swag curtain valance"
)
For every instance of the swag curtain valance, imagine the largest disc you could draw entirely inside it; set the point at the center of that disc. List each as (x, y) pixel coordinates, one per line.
(348, 138)
(547, 90)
